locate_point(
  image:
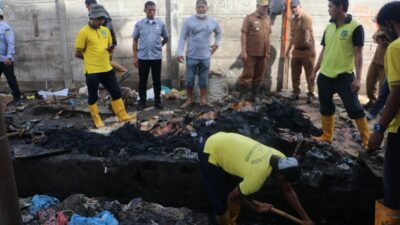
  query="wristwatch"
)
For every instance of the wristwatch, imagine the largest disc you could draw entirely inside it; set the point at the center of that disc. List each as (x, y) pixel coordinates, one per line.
(378, 128)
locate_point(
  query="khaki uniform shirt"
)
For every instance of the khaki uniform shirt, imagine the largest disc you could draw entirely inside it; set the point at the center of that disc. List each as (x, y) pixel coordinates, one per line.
(298, 27)
(257, 29)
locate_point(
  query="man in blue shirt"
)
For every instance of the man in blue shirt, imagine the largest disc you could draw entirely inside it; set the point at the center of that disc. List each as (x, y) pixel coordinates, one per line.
(7, 51)
(197, 30)
(147, 53)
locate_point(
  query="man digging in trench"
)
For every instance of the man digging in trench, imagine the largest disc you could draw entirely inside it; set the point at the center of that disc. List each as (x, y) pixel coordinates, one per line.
(229, 156)
(93, 45)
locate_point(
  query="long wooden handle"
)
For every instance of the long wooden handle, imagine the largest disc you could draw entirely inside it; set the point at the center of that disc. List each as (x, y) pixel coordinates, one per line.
(13, 134)
(282, 213)
(288, 216)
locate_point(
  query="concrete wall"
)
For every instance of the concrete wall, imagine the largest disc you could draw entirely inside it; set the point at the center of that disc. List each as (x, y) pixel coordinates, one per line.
(46, 29)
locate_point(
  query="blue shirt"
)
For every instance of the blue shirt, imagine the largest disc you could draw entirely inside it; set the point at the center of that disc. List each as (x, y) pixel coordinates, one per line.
(7, 49)
(149, 33)
(198, 34)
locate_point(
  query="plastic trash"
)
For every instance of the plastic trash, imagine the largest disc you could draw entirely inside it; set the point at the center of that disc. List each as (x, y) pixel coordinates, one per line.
(103, 218)
(165, 89)
(62, 219)
(40, 202)
(61, 93)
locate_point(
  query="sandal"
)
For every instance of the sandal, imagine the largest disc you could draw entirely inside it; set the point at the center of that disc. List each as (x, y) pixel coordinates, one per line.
(207, 105)
(186, 105)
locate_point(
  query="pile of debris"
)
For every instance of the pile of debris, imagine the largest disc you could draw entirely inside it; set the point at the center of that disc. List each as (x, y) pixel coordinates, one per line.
(267, 125)
(80, 210)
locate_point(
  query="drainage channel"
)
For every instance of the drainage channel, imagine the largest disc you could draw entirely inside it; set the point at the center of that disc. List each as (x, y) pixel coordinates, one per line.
(336, 200)
(335, 189)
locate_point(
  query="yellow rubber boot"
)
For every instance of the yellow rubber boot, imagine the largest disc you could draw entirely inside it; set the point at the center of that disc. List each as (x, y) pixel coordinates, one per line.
(119, 109)
(234, 211)
(94, 112)
(362, 125)
(328, 124)
(224, 219)
(385, 215)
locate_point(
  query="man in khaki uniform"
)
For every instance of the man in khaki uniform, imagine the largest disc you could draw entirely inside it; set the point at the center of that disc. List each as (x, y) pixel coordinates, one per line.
(376, 70)
(303, 55)
(255, 53)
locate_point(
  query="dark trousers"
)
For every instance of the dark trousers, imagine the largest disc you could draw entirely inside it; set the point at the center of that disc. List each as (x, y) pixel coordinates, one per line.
(11, 79)
(381, 101)
(391, 175)
(144, 70)
(341, 85)
(218, 184)
(108, 80)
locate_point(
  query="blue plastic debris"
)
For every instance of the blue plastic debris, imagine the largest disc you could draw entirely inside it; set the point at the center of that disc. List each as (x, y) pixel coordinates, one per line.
(103, 218)
(165, 89)
(40, 202)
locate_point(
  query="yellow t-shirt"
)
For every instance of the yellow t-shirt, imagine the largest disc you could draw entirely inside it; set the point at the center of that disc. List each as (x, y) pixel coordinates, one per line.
(338, 56)
(243, 157)
(392, 69)
(94, 43)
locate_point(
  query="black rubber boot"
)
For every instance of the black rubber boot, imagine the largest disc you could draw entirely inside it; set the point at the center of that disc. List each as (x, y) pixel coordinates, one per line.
(243, 89)
(254, 94)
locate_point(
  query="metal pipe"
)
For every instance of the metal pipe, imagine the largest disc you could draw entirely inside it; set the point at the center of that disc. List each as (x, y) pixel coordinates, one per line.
(10, 213)
(283, 67)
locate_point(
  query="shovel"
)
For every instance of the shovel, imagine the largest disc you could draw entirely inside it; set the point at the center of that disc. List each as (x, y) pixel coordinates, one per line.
(283, 214)
(121, 72)
(124, 76)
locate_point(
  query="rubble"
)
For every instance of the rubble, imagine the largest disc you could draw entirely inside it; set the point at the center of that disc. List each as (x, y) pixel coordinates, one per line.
(162, 137)
(137, 212)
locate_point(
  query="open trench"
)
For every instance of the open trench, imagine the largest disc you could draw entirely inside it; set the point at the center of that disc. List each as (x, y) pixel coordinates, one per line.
(334, 189)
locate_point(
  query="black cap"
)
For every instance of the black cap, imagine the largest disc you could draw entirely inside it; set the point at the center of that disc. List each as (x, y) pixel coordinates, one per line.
(295, 3)
(201, 2)
(89, 2)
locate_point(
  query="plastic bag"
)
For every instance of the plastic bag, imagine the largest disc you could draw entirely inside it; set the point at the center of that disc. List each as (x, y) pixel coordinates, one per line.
(40, 202)
(103, 218)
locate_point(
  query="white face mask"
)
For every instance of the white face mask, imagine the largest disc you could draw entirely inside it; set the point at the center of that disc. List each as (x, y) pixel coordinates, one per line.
(201, 16)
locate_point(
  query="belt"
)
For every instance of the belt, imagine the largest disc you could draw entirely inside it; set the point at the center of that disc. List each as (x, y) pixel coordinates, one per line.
(302, 49)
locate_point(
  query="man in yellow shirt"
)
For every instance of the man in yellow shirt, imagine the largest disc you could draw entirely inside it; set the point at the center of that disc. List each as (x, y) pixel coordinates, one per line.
(121, 72)
(93, 45)
(342, 42)
(235, 166)
(388, 211)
